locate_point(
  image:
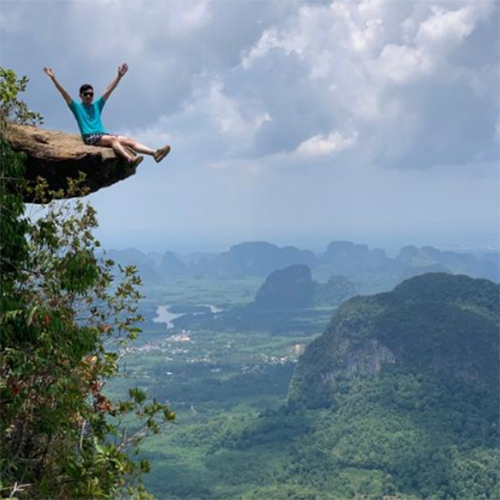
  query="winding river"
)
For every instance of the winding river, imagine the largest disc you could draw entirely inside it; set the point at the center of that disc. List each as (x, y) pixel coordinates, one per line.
(163, 315)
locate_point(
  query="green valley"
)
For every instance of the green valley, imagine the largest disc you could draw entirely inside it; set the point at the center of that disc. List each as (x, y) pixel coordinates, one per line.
(398, 397)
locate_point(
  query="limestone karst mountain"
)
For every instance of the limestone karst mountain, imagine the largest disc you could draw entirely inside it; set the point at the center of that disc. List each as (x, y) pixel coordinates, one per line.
(57, 156)
(289, 288)
(398, 398)
(258, 258)
(289, 301)
(437, 324)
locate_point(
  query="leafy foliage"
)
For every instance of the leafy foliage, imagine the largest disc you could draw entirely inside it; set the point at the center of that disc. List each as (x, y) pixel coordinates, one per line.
(11, 106)
(409, 375)
(63, 328)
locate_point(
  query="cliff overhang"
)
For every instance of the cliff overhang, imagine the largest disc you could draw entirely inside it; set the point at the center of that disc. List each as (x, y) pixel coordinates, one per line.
(56, 157)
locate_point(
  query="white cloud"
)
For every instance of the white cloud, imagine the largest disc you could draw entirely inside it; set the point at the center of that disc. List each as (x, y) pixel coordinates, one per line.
(363, 38)
(262, 80)
(225, 113)
(140, 25)
(210, 127)
(320, 145)
(378, 66)
(267, 41)
(193, 18)
(446, 26)
(400, 64)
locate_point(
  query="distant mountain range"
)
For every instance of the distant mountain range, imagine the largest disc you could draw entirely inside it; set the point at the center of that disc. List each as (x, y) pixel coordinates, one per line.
(371, 270)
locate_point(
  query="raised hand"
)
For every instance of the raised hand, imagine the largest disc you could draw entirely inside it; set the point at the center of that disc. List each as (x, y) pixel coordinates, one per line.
(50, 73)
(122, 69)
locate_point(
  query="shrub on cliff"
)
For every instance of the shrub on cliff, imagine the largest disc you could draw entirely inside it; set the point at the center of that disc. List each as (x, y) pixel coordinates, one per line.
(63, 323)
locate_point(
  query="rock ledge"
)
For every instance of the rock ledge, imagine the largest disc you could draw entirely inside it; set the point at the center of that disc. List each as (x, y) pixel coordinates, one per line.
(57, 156)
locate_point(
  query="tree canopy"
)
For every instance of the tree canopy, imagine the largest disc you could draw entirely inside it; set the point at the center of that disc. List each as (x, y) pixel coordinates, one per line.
(64, 323)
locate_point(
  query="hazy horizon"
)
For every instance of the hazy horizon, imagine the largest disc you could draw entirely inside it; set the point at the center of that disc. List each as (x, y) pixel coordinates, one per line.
(482, 243)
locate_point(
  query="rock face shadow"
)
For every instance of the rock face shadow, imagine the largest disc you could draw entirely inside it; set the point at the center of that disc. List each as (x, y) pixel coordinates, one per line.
(57, 156)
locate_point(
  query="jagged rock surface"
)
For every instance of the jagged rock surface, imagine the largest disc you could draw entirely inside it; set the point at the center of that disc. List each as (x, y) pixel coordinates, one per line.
(57, 156)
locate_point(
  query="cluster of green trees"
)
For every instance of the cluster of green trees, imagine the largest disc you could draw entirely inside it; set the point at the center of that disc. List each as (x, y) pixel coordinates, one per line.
(421, 423)
(62, 322)
(395, 434)
(427, 437)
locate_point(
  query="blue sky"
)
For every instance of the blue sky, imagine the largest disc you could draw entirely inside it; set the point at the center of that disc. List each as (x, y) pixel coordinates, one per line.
(294, 122)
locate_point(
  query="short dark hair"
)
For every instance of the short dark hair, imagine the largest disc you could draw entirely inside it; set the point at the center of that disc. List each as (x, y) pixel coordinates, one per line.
(85, 87)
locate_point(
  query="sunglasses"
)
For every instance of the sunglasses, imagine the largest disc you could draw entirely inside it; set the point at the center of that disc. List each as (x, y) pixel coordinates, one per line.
(88, 94)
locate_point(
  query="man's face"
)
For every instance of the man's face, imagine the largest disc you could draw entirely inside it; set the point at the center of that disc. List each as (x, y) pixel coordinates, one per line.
(86, 96)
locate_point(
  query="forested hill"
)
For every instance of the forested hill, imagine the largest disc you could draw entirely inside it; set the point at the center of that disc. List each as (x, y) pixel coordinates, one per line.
(398, 397)
(410, 379)
(437, 324)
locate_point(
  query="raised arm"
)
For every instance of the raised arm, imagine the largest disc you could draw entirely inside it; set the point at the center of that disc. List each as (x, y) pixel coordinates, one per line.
(112, 86)
(52, 76)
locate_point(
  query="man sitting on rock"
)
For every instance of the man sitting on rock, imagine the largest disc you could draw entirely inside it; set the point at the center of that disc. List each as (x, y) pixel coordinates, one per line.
(88, 116)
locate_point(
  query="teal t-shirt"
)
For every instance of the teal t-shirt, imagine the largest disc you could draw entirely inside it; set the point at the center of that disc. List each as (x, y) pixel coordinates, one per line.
(89, 117)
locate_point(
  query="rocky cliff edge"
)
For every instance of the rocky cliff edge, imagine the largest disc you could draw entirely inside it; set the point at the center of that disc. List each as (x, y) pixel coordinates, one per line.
(56, 156)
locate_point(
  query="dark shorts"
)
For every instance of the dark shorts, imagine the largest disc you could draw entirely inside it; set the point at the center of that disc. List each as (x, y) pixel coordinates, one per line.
(93, 139)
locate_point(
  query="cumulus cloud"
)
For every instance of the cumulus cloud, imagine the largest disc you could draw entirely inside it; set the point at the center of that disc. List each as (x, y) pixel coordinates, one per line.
(391, 71)
(229, 116)
(417, 81)
(323, 145)
(400, 64)
(382, 67)
(137, 27)
(225, 128)
(168, 45)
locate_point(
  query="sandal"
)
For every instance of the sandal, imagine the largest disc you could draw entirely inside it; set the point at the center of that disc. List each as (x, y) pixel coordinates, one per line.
(161, 153)
(135, 162)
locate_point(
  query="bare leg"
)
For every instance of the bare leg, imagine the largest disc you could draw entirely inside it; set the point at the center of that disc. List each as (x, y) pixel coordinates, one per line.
(123, 146)
(140, 148)
(134, 145)
(113, 142)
